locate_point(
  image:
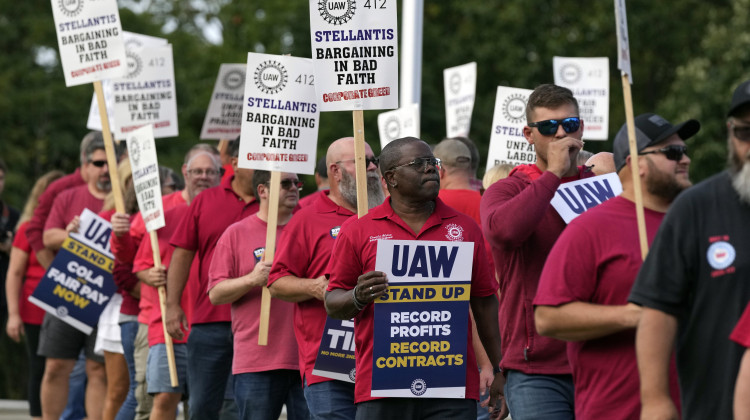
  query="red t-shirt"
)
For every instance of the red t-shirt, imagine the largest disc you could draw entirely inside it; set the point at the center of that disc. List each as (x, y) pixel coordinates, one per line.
(304, 250)
(71, 203)
(741, 332)
(37, 223)
(521, 226)
(596, 259)
(144, 259)
(354, 254)
(465, 201)
(30, 313)
(210, 213)
(239, 249)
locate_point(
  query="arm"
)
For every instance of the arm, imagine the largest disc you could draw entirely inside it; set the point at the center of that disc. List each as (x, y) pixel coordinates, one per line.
(13, 282)
(654, 343)
(370, 286)
(296, 289)
(179, 270)
(485, 313)
(154, 276)
(742, 389)
(580, 321)
(122, 243)
(54, 237)
(485, 366)
(230, 290)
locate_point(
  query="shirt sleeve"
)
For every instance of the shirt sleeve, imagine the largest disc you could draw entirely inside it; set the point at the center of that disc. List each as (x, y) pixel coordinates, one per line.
(186, 234)
(144, 257)
(223, 263)
(293, 253)
(345, 265)
(741, 332)
(56, 217)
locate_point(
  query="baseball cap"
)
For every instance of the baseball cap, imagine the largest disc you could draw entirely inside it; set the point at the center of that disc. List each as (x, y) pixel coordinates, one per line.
(453, 153)
(740, 98)
(650, 129)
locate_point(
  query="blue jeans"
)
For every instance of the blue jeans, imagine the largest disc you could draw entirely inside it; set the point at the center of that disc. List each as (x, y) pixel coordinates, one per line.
(330, 400)
(482, 412)
(76, 408)
(547, 397)
(128, 331)
(209, 356)
(418, 409)
(261, 395)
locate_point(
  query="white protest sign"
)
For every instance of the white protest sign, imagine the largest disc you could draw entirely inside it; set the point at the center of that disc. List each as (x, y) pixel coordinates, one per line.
(142, 154)
(147, 94)
(132, 41)
(279, 115)
(355, 51)
(574, 198)
(89, 36)
(402, 122)
(507, 143)
(460, 85)
(623, 43)
(224, 115)
(588, 78)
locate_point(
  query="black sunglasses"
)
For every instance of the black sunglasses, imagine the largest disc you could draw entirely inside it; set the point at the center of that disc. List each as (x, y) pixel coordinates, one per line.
(287, 184)
(549, 127)
(672, 152)
(98, 163)
(368, 160)
(741, 132)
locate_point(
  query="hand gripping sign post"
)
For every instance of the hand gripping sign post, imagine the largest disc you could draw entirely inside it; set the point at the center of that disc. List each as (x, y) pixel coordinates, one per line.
(142, 154)
(78, 284)
(460, 86)
(588, 78)
(89, 35)
(421, 325)
(623, 63)
(398, 123)
(355, 52)
(279, 134)
(507, 143)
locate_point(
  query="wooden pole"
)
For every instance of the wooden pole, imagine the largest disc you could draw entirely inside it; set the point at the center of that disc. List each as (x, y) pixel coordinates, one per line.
(163, 306)
(273, 221)
(630, 120)
(222, 146)
(109, 148)
(359, 161)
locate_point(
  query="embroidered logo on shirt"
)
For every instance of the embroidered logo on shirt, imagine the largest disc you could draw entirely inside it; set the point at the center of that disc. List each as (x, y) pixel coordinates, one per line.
(258, 253)
(379, 237)
(455, 232)
(720, 256)
(335, 232)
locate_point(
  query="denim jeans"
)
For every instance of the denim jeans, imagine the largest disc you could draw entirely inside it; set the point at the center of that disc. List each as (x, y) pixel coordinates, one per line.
(330, 400)
(547, 397)
(209, 356)
(76, 408)
(128, 330)
(261, 395)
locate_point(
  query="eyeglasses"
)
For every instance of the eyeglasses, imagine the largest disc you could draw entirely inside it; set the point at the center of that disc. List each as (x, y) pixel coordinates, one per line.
(549, 127)
(741, 132)
(207, 172)
(98, 163)
(288, 183)
(672, 152)
(368, 160)
(420, 164)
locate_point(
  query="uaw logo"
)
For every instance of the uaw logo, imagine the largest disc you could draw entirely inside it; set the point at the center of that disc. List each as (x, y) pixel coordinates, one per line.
(392, 128)
(61, 311)
(233, 80)
(135, 65)
(258, 253)
(570, 73)
(134, 150)
(270, 77)
(336, 12)
(514, 108)
(71, 7)
(335, 232)
(454, 83)
(353, 374)
(418, 387)
(721, 255)
(454, 232)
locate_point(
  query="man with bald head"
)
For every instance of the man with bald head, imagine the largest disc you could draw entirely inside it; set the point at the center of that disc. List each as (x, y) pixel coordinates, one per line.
(298, 271)
(412, 212)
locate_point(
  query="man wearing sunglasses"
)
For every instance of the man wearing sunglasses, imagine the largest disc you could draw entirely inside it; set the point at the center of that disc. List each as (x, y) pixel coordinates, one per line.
(693, 286)
(298, 273)
(413, 212)
(583, 290)
(521, 226)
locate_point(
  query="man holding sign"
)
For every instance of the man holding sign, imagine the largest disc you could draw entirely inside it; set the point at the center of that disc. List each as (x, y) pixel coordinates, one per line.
(414, 213)
(584, 287)
(521, 227)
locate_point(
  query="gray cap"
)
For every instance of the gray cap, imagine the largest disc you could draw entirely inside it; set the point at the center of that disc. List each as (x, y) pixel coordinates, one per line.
(650, 129)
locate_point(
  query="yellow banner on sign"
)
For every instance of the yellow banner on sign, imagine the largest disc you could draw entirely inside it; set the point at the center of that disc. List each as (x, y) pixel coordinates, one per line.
(432, 293)
(89, 254)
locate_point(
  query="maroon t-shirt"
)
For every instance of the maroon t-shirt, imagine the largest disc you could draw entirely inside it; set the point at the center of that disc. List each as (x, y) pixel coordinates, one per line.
(208, 216)
(69, 204)
(35, 231)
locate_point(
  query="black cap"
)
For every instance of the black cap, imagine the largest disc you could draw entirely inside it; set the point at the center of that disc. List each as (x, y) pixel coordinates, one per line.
(650, 129)
(740, 98)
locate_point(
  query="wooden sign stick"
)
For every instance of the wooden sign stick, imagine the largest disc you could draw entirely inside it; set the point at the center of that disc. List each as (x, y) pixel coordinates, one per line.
(163, 306)
(109, 148)
(273, 221)
(359, 161)
(630, 120)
